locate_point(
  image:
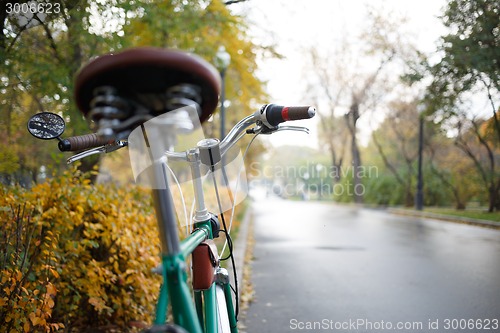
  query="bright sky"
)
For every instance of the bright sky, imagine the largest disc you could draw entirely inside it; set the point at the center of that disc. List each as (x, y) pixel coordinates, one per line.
(295, 26)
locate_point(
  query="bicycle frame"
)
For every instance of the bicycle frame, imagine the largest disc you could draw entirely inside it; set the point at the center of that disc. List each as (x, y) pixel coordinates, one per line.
(202, 314)
(111, 92)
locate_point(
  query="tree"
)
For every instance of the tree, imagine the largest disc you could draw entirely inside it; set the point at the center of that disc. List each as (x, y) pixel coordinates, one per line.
(396, 142)
(447, 163)
(332, 128)
(360, 95)
(39, 60)
(473, 142)
(470, 65)
(447, 176)
(356, 82)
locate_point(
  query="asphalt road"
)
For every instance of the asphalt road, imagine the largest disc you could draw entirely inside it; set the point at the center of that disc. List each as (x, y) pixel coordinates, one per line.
(325, 268)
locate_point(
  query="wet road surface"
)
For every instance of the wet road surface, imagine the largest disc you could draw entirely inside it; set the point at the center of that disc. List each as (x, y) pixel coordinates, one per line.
(328, 268)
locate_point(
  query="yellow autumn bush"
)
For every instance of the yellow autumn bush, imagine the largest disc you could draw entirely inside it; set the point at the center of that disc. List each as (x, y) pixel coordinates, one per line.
(76, 256)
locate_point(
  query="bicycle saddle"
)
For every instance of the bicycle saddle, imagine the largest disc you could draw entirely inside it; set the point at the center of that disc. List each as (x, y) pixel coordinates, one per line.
(145, 81)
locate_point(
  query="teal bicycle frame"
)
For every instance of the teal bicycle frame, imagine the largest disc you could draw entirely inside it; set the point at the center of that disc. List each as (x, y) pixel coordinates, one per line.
(196, 313)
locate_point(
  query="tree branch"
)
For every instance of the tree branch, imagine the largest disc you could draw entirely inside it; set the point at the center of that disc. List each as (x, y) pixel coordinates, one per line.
(485, 144)
(461, 144)
(11, 45)
(227, 3)
(386, 161)
(443, 178)
(493, 107)
(52, 42)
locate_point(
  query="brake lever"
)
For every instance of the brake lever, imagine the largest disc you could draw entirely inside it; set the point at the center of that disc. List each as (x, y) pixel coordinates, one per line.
(98, 150)
(262, 129)
(293, 128)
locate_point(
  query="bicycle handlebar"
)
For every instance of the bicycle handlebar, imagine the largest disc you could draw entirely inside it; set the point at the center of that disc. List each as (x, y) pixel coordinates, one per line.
(81, 142)
(269, 115)
(272, 114)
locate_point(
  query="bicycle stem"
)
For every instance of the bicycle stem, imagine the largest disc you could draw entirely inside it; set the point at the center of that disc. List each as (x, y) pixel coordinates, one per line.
(201, 213)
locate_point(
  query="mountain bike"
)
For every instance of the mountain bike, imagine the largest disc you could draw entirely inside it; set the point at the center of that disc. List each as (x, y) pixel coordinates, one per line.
(150, 100)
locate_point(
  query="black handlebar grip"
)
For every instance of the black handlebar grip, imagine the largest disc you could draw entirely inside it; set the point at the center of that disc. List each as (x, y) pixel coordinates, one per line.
(81, 142)
(276, 114)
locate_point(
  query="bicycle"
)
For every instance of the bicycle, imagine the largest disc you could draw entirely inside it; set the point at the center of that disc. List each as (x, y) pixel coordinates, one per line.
(141, 98)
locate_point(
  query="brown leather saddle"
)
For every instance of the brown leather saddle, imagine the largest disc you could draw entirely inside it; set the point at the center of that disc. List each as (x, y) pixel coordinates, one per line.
(146, 80)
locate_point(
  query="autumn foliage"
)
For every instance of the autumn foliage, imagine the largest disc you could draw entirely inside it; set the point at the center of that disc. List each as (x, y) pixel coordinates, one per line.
(76, 256)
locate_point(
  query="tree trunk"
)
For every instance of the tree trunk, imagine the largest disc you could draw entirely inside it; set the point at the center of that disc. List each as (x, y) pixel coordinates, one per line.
(3, 17)
(409, 197)
(352, 118)
(336, 166)
(356, 165)
(494, 197)
(74, 61)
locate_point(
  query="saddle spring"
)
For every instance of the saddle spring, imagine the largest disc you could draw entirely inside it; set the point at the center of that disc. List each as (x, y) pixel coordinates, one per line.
(114, 117)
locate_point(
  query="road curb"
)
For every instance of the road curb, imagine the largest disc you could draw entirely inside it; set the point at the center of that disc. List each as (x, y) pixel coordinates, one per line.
(442, 217)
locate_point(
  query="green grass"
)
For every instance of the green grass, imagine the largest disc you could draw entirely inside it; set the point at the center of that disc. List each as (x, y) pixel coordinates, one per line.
(473, 213)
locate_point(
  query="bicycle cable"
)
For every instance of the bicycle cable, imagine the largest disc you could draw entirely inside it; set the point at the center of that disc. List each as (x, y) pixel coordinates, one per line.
(238, 181)
(229, 241)
(228, 237)
(176, 180)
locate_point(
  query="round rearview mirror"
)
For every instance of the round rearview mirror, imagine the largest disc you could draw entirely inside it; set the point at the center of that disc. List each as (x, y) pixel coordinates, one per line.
(46, 125)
